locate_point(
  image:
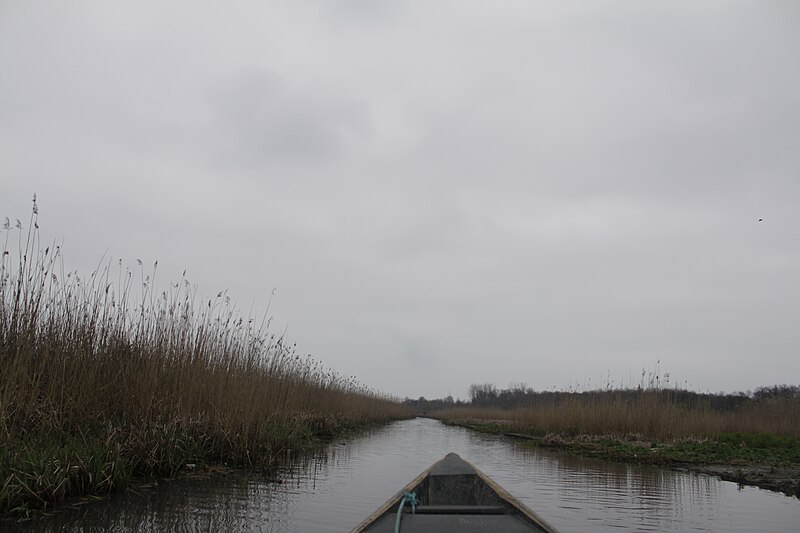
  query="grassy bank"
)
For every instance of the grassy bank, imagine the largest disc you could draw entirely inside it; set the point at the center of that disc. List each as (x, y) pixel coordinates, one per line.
(757, 442)
(103, 379)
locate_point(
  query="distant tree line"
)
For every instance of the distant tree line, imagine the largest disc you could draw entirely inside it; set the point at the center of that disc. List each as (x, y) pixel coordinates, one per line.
(423, 405)
(519, 395)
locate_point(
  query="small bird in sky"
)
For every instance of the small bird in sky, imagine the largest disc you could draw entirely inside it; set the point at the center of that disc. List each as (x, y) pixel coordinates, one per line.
(760, 219)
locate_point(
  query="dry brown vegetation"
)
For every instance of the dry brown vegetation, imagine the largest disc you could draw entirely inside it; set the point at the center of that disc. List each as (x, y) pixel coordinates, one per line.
(103, 378)
(654, 408)
(652, 414)
(751, 438)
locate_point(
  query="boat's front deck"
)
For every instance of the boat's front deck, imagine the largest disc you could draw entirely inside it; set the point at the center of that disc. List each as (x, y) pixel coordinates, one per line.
(453, 523)
(453, 496)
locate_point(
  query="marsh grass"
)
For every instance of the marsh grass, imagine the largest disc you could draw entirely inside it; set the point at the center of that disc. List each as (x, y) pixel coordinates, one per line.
(655, 413)
(103, 378)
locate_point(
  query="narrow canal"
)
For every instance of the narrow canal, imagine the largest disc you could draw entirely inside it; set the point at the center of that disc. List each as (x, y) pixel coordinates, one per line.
(336, 489)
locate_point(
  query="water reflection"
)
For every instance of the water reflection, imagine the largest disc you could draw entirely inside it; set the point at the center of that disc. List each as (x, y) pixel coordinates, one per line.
(335, 489)
(610, 493)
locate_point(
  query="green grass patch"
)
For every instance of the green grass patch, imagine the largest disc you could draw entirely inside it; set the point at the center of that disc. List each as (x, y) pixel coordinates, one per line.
(760, 441)
(773, 451)
(42, 474)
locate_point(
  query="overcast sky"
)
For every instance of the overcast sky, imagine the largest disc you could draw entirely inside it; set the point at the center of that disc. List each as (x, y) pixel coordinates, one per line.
(442, 192)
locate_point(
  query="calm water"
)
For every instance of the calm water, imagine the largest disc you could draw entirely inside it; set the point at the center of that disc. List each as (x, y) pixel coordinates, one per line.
(336, 489)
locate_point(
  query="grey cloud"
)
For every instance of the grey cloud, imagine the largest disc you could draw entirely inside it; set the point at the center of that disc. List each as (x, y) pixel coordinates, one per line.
(259, 118)
(495, 190)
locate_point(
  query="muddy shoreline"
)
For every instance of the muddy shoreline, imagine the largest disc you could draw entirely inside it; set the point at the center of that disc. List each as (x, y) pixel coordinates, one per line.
(778, 479)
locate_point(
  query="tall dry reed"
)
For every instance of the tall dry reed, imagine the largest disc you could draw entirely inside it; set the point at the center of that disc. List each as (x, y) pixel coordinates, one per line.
(651, 413)
(105, 368)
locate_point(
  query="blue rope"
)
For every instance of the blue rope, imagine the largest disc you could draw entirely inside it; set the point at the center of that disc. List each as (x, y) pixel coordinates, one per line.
(411, 498)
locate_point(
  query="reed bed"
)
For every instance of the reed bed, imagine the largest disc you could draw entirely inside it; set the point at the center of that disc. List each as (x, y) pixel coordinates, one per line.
(104, 378)
(652, 414)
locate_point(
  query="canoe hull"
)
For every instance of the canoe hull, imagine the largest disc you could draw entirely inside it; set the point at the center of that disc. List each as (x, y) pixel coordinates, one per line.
(455, 496)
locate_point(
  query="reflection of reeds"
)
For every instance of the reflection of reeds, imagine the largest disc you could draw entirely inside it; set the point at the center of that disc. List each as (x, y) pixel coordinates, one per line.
(99, 381)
